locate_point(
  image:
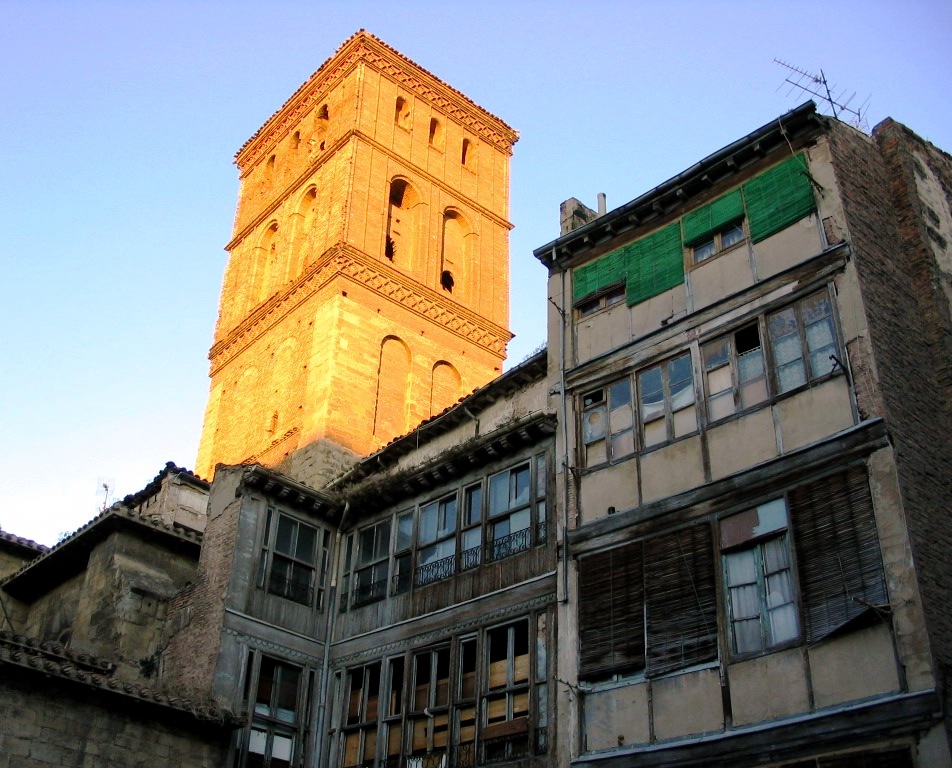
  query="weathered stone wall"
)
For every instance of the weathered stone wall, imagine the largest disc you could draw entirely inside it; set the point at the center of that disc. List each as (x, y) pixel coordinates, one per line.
(60, 723)
(192, 637)
(899, 263)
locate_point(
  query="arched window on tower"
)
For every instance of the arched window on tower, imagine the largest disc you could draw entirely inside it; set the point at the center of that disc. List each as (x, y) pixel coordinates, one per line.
(468, 155)
(452, 250)
(402, 223)
(444, 387)
(393, 383)
(266, 263)
(436, 134)
(303, 249)
(321, 124)
(401, 113)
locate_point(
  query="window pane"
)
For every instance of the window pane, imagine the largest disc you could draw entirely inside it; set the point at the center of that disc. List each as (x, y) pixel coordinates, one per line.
(382, 540)
(307, 538)
(741, 568)
(620, 418)
(498, 493)
(715, 354)
(720, 406)
(747, 636)
(815, 307)
(593, 424)
(732, 236)
(365, 546)
(404, 530)
(520, 486)
(704, 251)
(782, 324)
(623, 443)
(791, 376)
(540, 475)
(619, 394)
(285, 535)
(685, 422)
(655, 433)
(472, 505)
(787, 349)
(519, 521)
(783, 624)
(428, 523)
(596, 454)
(447, 518)
(679, 374)
(750, 365)
(258, 741)
(719, 379)
(652, 394)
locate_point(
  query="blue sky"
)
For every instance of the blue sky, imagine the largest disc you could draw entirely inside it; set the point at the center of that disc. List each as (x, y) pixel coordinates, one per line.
(119, 122)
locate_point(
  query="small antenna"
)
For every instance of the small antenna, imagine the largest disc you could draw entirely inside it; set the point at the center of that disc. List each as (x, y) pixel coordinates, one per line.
(819, 86)
(103, 486)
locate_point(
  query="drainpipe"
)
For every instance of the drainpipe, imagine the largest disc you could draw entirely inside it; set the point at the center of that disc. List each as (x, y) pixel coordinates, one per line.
(323, 743)
(563, 419)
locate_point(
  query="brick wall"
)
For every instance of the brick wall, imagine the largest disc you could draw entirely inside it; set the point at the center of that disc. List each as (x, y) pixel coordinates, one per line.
(910, 334)
(59, 723)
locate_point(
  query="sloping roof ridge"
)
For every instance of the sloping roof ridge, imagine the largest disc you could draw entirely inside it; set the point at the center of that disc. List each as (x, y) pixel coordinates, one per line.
(20, 541)
(362, 35)
(155, 484)
(117, 511)
(55, 660)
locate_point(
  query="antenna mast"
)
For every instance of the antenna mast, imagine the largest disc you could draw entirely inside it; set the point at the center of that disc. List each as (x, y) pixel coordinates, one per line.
(817, 85)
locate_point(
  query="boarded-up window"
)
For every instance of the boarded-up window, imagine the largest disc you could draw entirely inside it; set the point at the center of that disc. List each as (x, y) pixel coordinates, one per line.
(778, 197)
(838, 553)
(390, 417)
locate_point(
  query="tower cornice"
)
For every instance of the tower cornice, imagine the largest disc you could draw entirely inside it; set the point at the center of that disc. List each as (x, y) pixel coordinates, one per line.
(365, 47)
(382, 279)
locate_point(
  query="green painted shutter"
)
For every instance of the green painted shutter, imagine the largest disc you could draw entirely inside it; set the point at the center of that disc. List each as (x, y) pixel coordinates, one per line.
(655, 264)
(779, 197)
(699, 224)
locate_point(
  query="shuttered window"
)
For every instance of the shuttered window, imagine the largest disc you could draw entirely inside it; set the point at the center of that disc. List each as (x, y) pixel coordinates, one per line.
(778, 197)
(649, 605)
(681, 604)
(710, 218)
(611, 615)
(838, 553)
(648, 266)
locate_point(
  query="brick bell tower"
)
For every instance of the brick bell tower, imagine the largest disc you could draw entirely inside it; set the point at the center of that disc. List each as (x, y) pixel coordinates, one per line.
(368, 281)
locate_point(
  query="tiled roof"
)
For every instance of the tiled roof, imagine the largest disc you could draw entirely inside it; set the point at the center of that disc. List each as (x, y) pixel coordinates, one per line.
(134, 499)
(19, 542)
(70, 555)
(363, 34)
(55, 660)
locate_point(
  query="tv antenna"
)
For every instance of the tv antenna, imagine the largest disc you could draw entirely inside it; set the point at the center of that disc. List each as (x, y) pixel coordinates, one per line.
(103, 486)
(819, 86)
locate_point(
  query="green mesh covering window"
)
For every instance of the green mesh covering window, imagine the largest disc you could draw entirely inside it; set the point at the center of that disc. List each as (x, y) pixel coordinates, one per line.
(606, 271)
(778, 197)
(705, 221)
(655, 264)
(648, 266)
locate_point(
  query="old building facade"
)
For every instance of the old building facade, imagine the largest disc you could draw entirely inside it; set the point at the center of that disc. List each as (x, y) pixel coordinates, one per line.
(705, 526)
(746, 356)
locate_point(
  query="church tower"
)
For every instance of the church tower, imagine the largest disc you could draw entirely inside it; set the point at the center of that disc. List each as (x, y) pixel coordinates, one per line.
(368, 281)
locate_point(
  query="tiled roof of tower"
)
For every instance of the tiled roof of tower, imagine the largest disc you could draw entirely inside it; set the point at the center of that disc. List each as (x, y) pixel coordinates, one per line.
(364, 35)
